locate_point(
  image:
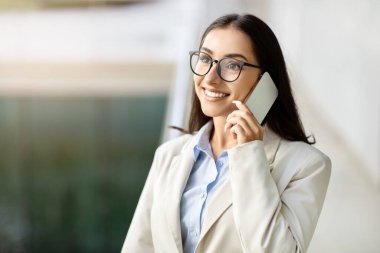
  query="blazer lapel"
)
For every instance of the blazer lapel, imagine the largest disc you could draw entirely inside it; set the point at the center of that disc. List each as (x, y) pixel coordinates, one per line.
(223, 197)
(221, 201)
(179, 172)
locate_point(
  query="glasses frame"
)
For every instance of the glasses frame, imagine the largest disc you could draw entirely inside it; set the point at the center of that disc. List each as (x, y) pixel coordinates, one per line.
(219, 69)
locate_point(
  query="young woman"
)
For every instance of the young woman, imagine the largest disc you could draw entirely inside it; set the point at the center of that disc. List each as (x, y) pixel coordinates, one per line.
(231, 184)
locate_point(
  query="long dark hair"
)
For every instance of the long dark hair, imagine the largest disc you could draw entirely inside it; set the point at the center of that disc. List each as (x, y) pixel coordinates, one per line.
(283, 117)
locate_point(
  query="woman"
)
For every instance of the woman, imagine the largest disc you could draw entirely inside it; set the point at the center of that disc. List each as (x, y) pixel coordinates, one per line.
(231, 184)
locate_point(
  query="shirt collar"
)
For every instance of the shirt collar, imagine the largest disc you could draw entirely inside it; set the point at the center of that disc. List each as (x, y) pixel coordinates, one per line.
(202, 142)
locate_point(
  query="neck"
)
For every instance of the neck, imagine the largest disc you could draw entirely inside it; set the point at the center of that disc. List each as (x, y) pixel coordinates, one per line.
(219, 139)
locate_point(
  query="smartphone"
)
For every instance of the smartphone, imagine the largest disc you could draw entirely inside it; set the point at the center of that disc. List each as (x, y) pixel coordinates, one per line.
(262, 97)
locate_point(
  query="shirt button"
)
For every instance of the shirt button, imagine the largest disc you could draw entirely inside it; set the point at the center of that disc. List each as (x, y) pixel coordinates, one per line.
(203, 195)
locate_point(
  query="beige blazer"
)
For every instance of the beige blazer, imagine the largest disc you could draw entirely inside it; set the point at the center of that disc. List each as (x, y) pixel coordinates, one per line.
(270, 203)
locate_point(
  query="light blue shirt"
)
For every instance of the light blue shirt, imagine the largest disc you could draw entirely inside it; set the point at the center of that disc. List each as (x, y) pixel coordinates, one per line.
(206, 175)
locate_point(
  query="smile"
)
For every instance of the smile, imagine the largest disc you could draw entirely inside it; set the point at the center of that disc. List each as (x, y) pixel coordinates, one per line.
(215, 94)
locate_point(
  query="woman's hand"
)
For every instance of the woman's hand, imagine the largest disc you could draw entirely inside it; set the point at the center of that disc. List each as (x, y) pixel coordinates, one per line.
(242, 125)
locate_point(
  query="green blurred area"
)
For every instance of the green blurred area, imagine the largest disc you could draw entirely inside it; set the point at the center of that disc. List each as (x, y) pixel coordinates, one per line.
(72, 169)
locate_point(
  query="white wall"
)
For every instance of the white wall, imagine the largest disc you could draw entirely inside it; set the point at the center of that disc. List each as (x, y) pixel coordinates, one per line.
(333, 53)
(102, 51)
(137, 33)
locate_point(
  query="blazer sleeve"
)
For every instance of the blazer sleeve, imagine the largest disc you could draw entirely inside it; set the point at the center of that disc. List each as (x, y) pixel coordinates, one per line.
(139, 236)
(269, 220)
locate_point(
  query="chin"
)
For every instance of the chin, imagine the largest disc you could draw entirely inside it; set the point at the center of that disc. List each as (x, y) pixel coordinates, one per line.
(217, 112)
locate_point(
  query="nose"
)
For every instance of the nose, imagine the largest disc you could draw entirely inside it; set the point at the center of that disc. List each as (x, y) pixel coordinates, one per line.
(212, 75)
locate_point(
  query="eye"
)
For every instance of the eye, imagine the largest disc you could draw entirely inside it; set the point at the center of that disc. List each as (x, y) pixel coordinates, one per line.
(204, 58)
(233, 65)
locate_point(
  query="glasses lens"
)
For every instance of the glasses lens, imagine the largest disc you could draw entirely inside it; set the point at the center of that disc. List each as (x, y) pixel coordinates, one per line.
(229, 69)
(200, 63)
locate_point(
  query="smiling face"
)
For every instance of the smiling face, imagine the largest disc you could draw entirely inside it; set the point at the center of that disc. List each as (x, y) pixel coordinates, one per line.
(215, 94)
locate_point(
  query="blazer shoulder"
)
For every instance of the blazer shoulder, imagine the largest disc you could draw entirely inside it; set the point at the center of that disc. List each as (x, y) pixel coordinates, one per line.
(175, 146)
(300, 146)
(304, 157)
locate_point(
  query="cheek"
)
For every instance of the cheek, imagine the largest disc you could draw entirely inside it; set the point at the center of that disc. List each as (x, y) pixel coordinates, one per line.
(197, 80)
(247, 81)
(244, 90)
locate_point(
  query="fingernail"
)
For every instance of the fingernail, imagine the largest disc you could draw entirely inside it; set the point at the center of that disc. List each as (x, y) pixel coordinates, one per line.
(236, 102)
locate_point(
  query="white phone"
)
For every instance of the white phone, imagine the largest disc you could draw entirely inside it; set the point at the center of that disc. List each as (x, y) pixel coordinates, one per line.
(262, 97)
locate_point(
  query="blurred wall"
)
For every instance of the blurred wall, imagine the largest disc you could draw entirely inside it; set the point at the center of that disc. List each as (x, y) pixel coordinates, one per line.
(333, 51)
(74, 51)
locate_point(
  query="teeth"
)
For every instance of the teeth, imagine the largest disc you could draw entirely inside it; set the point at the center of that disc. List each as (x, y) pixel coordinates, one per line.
(214, 94)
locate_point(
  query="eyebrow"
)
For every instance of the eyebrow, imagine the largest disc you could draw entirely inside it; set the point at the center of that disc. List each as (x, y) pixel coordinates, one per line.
(227, 55)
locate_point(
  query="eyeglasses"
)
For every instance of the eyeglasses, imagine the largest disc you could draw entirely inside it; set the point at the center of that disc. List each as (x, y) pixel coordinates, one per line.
(229, 69)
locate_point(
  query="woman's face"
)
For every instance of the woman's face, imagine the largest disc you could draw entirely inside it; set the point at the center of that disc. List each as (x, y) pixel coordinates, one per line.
(215, 94)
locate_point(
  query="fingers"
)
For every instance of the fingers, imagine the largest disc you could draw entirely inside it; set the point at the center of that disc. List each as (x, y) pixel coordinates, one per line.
(241, 106)
(245, 113)
(243, 116)
(242, 124)
(237, 131)
(236, 119)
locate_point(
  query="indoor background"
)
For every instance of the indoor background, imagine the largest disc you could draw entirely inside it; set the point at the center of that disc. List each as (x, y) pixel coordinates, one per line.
(89, 87)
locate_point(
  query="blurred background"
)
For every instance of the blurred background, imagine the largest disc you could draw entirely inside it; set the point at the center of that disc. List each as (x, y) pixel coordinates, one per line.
(88, 88)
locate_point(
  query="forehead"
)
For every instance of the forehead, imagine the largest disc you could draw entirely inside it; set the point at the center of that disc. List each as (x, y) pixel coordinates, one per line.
(222, 41)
